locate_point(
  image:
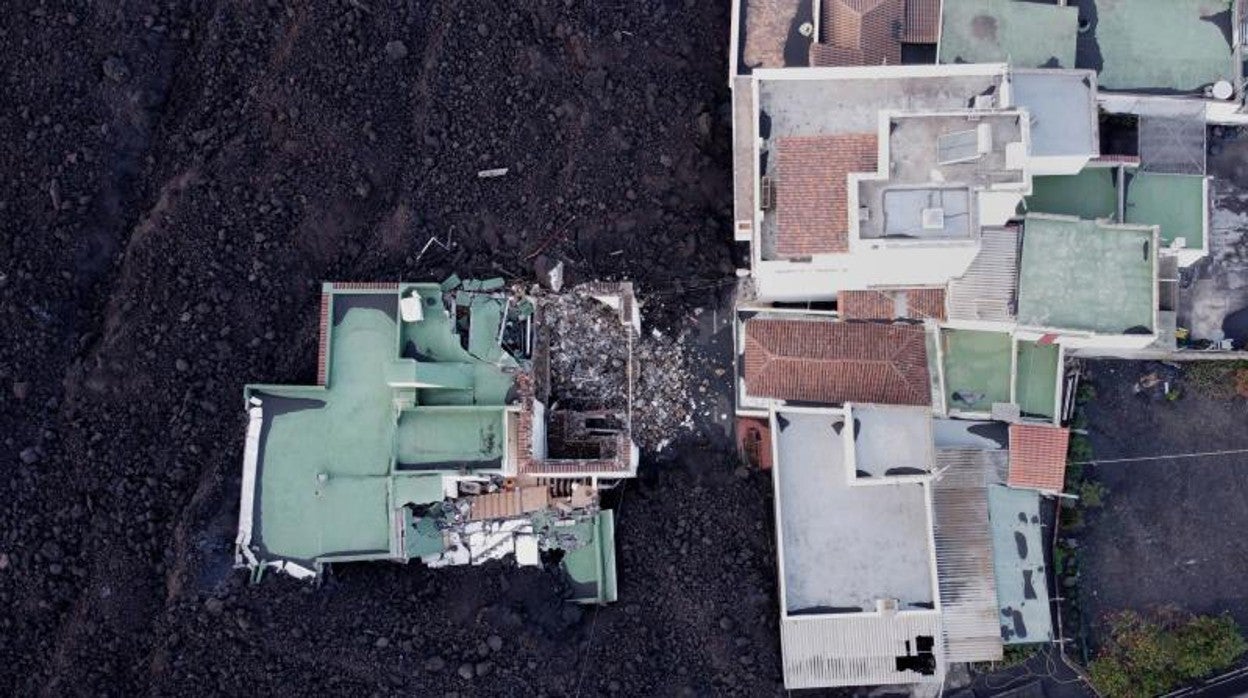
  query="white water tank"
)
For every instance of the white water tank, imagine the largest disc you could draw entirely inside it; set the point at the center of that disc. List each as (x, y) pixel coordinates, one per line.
(1223, 89)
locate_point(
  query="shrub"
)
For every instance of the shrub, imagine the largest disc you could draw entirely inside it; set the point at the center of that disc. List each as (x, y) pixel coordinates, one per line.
(1092, 494)
(1085, 393)
(1080, 448)
(1150, 654)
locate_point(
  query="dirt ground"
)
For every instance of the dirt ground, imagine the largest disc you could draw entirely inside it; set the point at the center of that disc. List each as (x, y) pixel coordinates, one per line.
(179, 179)
(1171, 531)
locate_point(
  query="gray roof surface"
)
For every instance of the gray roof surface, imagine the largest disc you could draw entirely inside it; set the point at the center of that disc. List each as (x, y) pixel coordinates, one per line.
(1063, 110)
(832, 533)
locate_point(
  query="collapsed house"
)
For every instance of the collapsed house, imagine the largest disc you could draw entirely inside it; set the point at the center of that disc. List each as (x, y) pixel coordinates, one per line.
(930, 248)
(449, 424)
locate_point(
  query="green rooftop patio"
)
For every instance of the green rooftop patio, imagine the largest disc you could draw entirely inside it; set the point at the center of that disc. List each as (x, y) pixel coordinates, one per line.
(1024, 34)
(1085, 276)
(1090, 194)
(976, 368)
(1175, 202)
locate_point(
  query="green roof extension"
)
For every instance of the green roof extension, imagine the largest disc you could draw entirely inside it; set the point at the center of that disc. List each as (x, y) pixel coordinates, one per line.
(1176, 202)
(1024, 34)
(1087, 276)
(1035, 378)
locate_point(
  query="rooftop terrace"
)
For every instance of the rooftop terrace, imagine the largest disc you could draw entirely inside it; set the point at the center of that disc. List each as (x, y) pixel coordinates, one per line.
(1087, 276)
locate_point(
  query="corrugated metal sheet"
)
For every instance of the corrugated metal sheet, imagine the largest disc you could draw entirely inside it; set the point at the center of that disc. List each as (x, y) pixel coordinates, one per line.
(987, 290)
(856, 649)
(964, 562)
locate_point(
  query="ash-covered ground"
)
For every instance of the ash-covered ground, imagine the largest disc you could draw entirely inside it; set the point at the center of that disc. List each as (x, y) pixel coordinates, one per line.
(179, 179)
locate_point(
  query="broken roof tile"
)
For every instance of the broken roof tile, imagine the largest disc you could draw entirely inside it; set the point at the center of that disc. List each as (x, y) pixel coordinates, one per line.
(892, 304)
(812, 190)
(1038, 456)
(836, 362)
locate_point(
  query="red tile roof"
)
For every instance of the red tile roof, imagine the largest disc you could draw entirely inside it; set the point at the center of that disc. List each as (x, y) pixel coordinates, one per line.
(812, 190)
(892, 304)
(922, 22)
(836, 362)
(1038, 456)
(871, 28)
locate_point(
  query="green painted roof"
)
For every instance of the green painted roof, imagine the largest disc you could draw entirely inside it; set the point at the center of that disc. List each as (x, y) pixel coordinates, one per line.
(977, 368)
(1086, 276)
(1024, 34)
(1090, 194)
(1173, 201)
(1160, 44)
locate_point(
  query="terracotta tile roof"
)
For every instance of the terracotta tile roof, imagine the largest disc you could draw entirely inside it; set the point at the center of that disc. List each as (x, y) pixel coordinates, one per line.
(1038, 456)
(836, 362)
(922, 23)
(871, 27)
(811, 190)
(892, 304)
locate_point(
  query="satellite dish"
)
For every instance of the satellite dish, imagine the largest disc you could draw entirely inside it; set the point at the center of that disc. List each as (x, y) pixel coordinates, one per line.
(806, 29)
(1223, 90)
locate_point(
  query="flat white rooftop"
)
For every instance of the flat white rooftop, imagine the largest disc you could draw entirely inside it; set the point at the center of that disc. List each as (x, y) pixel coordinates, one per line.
(832, 533)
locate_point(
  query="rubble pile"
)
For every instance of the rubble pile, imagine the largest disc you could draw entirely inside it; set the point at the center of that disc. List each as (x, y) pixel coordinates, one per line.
(589, 349)
(665, 401)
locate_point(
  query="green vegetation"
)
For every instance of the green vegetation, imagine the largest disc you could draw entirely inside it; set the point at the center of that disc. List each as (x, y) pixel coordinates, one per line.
(1079, 449)
(1085, 393)
(1150, 654)
(1092, 494)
